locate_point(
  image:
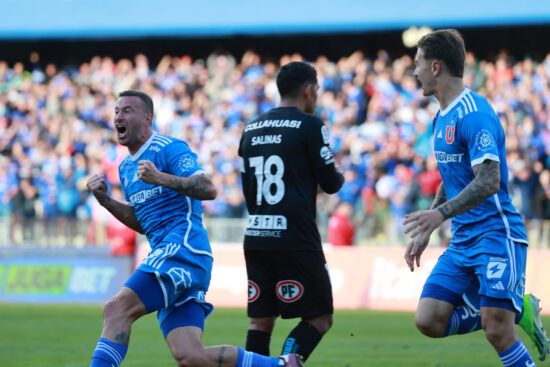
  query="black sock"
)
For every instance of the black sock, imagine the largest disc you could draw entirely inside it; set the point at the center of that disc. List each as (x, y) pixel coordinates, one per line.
(257, 341)
(302, 340)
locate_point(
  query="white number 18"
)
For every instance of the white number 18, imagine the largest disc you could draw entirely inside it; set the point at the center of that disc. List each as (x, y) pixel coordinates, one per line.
(262, 170)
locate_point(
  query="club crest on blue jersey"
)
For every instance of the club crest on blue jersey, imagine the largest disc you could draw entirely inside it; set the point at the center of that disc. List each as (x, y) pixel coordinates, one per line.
(449, 134)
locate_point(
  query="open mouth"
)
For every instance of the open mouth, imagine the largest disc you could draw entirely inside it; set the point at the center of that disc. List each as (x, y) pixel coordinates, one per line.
(121, 131)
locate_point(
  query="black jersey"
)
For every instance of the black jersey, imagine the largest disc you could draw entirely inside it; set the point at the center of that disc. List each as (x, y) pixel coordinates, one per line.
(281, 151)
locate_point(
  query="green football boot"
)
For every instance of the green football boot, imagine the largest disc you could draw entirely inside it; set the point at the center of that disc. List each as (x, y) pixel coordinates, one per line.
(531, 323)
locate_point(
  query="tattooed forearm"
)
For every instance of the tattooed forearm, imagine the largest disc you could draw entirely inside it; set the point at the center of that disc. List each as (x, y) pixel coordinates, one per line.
(220, 356)
(440, 197)
(122, 338)
(485, 184)
(197, 186)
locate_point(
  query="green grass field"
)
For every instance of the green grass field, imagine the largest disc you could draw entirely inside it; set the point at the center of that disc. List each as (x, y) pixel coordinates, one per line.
(65, 336)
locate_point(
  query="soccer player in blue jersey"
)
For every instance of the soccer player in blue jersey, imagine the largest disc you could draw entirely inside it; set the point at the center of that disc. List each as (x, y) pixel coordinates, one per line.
(163, 186)
(479, 280)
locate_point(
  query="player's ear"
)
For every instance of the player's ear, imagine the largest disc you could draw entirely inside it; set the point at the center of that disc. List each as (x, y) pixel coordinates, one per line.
(149, 119)
(306, 92)
(436, 67)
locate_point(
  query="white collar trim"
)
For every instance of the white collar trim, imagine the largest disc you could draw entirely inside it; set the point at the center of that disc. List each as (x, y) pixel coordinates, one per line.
(454, 102)
(143, 148)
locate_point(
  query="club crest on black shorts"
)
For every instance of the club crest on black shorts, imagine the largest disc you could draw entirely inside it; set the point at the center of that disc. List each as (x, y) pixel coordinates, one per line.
(289, 290)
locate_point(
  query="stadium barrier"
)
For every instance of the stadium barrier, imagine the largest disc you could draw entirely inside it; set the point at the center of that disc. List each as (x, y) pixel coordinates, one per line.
(81, 233)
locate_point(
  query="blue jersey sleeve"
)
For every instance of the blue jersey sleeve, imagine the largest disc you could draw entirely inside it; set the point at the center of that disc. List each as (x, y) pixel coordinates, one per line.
(481, 133)
(180, 160)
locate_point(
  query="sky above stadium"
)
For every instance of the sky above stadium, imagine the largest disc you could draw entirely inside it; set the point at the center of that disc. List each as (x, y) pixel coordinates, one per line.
(32, 19)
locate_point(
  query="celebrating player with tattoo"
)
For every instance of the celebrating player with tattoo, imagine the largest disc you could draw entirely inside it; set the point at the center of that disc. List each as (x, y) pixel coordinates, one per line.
(164, 185)
(479, 280)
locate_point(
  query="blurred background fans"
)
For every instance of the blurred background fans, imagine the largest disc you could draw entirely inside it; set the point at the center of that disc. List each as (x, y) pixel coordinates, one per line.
(209, 67)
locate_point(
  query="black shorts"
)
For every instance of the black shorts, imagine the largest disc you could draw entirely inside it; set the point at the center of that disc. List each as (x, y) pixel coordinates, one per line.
(288, 283)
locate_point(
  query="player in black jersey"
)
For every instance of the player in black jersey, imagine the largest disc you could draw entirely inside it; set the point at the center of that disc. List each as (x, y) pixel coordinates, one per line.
(286, 156)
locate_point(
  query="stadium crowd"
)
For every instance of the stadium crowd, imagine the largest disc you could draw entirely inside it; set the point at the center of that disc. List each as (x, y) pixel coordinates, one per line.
(56, 130)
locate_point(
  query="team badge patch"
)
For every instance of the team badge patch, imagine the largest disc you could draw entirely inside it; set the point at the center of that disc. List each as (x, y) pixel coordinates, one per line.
(185, 163)
(324, 133)
(450, 134)
(289, 291)
(326, 154)
(484, 140)
(253, 291)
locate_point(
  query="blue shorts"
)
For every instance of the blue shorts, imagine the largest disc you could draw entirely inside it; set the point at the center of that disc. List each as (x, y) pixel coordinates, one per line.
(490, 267)
(179, 277)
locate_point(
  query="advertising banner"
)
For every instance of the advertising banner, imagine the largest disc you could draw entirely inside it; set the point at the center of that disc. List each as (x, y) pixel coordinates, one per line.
(364, 277)
(60, 277)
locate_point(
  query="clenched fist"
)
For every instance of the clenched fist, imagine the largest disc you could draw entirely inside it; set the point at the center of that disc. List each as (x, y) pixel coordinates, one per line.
(98, 186)
(148, 172)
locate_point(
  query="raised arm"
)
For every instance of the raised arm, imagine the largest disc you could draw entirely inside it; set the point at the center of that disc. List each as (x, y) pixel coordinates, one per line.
(123, 212)
(485, 184)
(198, 186)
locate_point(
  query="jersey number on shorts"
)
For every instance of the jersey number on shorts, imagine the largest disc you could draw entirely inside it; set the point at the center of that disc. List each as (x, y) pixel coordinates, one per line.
(269, 173)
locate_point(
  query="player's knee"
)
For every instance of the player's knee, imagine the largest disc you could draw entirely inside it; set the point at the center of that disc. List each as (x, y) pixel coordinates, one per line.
(429, 326)
(190, 358)
(263, 324)
(325, 323)
(321, 323)
(115, 309)
(498, 333)
(111, 310)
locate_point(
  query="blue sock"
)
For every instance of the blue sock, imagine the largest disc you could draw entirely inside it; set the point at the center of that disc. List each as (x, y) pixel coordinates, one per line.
(249, 359)
(463, 320)
(108, 354)
(516, 356)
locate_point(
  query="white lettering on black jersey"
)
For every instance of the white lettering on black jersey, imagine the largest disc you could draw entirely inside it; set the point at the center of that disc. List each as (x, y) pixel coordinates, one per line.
(281, 151)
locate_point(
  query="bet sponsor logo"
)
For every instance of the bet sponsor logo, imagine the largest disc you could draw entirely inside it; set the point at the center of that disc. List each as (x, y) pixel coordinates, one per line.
(289, 291)
(444, 157)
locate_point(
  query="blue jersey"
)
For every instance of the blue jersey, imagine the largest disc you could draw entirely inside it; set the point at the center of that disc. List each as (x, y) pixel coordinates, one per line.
(165, 215)
(467, 133)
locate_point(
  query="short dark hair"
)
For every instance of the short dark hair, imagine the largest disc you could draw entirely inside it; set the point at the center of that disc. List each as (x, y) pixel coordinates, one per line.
(147, 101)
(446, 45)
(293, 77)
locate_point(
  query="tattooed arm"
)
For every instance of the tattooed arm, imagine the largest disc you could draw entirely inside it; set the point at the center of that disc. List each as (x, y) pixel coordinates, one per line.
(440, 197)
(485, 184)
(420, 224)
(197, 187)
